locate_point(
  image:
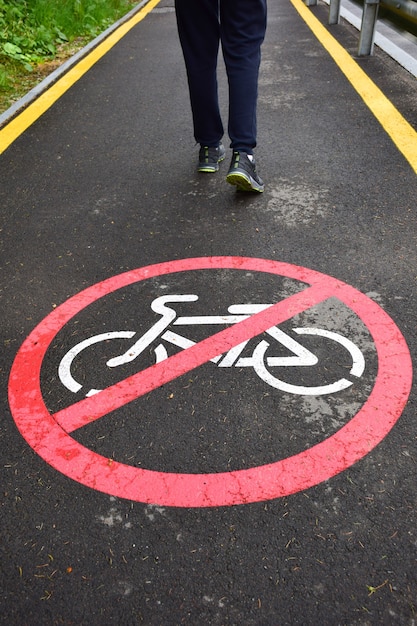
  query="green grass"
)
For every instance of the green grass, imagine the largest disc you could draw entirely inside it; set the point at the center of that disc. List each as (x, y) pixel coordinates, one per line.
(36, 35)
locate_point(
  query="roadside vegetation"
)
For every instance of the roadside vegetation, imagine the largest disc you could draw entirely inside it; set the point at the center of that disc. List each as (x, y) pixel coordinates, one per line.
(36, 36)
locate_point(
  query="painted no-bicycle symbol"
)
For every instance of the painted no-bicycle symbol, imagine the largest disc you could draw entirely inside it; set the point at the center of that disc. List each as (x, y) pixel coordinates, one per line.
(210, 382)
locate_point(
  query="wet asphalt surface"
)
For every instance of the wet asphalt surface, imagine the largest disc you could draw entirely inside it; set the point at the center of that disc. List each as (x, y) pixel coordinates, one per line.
(105, 183)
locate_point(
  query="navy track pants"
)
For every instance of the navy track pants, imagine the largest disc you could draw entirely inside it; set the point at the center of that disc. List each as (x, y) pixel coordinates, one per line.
(239, 25)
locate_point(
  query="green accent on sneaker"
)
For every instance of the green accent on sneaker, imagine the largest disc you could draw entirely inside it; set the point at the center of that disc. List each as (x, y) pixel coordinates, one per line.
(210, 157)
(244, 182)
(242, 173)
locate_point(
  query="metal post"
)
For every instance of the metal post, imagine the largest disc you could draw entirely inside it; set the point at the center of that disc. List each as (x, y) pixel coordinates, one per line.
(369, 18)
(310, 3)
(334, 12)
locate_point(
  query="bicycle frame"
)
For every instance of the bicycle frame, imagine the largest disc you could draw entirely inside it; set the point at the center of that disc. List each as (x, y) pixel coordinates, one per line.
(300, 355)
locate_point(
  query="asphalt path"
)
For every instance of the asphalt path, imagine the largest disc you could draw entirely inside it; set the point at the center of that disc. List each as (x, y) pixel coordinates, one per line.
(138, 488)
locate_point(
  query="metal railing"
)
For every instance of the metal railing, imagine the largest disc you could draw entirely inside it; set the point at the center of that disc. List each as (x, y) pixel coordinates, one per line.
(407, 9)
(369, 19)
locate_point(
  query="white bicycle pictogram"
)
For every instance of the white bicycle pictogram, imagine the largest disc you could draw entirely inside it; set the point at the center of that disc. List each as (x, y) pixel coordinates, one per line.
(261, 364)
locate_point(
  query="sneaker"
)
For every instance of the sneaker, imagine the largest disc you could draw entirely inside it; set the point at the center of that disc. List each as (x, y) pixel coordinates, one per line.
(242, 173)
(210, 157)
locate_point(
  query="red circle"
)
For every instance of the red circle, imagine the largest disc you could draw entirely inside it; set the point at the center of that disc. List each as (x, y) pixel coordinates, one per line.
(301, 471)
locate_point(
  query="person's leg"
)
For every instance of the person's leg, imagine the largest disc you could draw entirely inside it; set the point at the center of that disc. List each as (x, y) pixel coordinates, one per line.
(199, 33)
(243, 26)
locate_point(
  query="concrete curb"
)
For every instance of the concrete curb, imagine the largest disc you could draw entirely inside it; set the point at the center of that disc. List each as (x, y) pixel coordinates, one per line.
(52, 78)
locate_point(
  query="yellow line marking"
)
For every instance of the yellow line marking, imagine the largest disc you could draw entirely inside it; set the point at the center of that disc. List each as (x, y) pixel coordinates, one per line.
(23, 120)
(401, 132)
